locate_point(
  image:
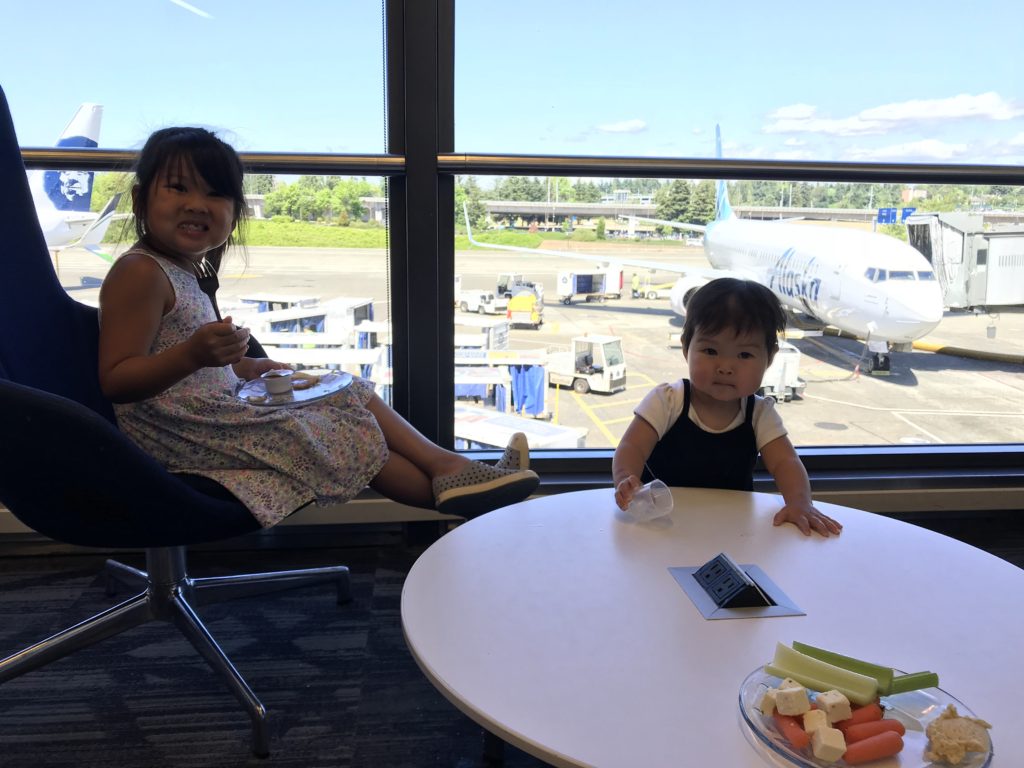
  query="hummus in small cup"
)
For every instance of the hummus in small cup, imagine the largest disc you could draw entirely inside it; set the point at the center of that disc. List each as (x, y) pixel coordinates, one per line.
(278, 381)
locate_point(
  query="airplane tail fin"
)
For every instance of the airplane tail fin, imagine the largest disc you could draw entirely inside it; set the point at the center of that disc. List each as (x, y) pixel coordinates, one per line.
(723, 210)
(72, 190)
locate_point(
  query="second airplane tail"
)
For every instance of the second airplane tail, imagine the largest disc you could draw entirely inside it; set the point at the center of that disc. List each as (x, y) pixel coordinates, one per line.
(722, 208)
(72, 190)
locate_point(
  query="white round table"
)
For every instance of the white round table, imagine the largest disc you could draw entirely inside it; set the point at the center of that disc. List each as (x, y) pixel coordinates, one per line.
(556, 625)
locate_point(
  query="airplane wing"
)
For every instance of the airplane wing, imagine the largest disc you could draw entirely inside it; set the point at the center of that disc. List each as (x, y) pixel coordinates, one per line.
(93, 235)
(704, 273)
(665, 223)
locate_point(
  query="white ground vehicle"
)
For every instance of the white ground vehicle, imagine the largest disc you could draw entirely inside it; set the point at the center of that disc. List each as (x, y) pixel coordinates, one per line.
(595, 364)
(657, 290)
(510, 284)
(592, 286)
(482, 302)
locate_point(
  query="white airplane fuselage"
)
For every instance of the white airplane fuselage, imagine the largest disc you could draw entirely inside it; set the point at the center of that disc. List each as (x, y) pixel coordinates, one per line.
(867, 284)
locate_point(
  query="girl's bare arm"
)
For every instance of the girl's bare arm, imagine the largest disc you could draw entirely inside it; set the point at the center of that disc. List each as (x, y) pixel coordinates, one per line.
(134, 298)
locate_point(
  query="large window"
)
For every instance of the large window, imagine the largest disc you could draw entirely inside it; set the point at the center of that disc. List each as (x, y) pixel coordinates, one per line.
(570, 129)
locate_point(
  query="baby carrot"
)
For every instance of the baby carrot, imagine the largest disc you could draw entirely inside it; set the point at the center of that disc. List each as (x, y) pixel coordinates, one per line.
(860, 731)
(792, 730)
(875, 747)
(864, 714)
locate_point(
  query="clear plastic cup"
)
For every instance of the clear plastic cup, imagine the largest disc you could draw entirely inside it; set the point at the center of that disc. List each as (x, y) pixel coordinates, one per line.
(652, 501)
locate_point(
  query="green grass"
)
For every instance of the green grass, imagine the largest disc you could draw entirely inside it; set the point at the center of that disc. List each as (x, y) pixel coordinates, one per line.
(304, 234)
(308, 235)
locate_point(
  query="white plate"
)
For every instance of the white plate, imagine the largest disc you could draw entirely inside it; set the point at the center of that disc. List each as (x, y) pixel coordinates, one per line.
(915, 709)
(329, 384)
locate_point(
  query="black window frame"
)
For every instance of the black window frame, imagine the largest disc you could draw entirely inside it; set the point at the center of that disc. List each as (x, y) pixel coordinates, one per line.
(421, 165)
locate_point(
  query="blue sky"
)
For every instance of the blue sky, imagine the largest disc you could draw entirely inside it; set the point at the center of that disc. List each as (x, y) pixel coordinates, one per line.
(916, 81)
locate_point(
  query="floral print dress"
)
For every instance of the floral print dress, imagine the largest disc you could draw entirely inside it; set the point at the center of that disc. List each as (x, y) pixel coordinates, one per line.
(274, 460)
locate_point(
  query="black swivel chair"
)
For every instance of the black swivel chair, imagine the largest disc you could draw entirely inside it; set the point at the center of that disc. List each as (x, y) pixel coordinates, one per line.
(69, 474)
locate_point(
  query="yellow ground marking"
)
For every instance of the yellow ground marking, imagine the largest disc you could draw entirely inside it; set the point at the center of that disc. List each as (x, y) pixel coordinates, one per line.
(589, 413)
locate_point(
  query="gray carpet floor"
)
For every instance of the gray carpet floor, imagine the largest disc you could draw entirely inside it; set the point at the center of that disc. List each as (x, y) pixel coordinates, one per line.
(339, 683)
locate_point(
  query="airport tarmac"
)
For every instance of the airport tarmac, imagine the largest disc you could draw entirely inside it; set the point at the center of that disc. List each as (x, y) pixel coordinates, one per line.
(929, 397)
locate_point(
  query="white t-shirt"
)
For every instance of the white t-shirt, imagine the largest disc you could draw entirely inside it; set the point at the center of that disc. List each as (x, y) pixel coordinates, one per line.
(663, 405)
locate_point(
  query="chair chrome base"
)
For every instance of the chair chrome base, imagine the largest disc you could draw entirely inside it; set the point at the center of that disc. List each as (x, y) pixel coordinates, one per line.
(168, 595)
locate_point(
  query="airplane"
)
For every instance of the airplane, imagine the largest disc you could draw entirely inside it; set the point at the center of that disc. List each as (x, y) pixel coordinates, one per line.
(867, 284)
(63, 198)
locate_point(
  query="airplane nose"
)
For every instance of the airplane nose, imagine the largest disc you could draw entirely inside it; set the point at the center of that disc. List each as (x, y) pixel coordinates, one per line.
(916, 316)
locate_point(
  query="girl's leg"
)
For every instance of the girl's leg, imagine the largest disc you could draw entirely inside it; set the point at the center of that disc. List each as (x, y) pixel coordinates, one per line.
(402, 438)
(404, 482)
(423, 474)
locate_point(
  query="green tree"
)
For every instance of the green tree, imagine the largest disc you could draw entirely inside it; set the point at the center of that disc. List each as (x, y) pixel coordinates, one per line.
(586, 192)
(520, 188)
(599, 230)
(106, 185)
(702, 203)
(347, 194)
(258, 183)
(672, 202)
(468, 192)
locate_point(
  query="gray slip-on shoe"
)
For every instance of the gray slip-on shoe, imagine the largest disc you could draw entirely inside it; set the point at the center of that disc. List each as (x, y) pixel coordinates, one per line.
(479, 488)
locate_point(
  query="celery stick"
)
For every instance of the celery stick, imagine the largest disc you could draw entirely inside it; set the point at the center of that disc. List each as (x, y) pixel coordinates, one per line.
(913, 682)
(882, 674)
(817, 685)
(865, 688)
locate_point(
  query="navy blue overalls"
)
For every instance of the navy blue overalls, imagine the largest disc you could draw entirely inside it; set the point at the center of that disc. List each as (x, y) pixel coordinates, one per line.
(689, 456)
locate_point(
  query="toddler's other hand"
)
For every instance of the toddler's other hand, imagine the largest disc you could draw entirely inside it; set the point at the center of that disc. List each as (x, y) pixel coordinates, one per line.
(625, 489)
(807, 519)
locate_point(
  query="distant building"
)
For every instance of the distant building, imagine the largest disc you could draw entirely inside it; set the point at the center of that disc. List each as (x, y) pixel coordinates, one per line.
(908, 194)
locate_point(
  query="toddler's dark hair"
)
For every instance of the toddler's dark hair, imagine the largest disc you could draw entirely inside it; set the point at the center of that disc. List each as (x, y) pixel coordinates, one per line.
(180, 148)
(741, 305)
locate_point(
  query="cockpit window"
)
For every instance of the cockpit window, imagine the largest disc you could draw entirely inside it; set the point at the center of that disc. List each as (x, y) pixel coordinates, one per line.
(926, 275)
(901, 274)
(870, 274)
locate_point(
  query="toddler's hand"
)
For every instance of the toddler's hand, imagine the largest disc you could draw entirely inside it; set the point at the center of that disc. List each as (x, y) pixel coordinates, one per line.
(219, 343)
(807, 518)
(625, 489)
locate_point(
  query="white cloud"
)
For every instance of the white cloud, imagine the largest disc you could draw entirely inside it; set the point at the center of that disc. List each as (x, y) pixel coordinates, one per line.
(988, 105)
(794, 142)
(794, 112)
(926, 150)
(624, 126)
(802, 118)
(1017, 141)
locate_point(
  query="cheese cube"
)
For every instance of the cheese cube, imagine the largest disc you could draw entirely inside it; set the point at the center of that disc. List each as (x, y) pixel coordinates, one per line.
(792, 701)
(789, 682)
(815, 719)
(766, 706)
(835, 705)
(828, 744)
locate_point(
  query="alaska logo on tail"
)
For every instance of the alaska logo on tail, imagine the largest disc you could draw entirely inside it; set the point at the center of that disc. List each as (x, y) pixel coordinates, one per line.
(63, 197)
(72, 190)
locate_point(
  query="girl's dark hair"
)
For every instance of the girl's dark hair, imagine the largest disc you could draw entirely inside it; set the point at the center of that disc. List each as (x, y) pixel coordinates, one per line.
(215, 160)
(741, 305)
